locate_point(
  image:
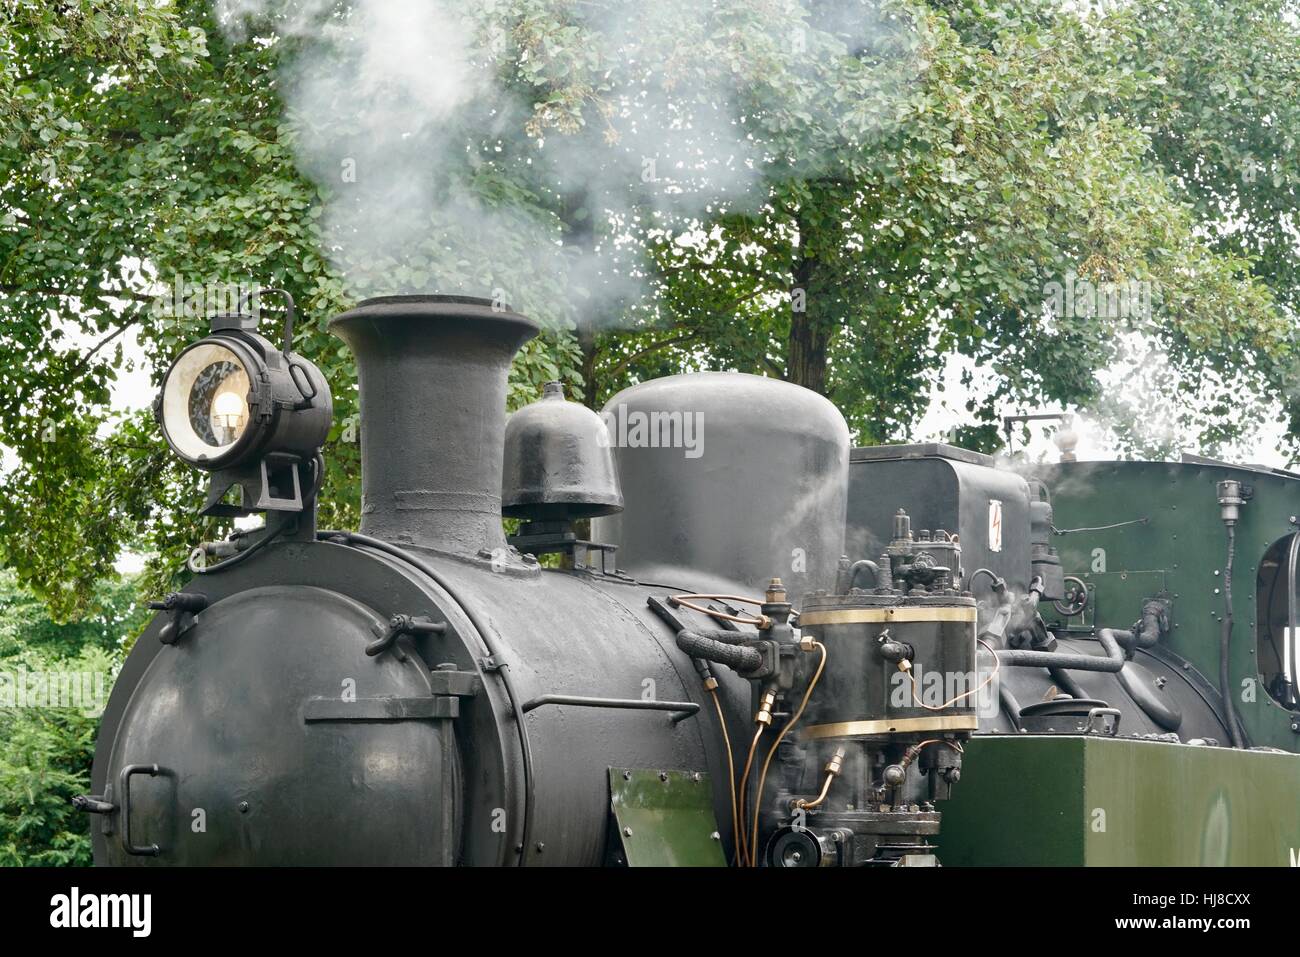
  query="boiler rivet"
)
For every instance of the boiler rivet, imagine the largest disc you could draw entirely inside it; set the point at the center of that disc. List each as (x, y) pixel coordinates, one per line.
(627, 832)
(243, 807)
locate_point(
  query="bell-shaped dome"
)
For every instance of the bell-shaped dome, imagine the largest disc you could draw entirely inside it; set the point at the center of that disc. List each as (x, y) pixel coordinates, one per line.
(558, 462)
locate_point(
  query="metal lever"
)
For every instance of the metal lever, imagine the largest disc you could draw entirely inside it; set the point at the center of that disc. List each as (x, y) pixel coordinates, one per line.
(93, 804)
(183, 606)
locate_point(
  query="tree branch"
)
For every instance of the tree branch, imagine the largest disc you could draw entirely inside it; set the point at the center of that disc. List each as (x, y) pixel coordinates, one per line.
(64, 294)
(653, 347)
(121, 328)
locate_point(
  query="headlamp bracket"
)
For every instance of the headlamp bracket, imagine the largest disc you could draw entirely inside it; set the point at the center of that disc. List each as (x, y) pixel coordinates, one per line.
(271, 484)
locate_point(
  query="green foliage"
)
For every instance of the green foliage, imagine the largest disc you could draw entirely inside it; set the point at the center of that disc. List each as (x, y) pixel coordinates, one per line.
(47, 728)
(116, 613)
(848, 195)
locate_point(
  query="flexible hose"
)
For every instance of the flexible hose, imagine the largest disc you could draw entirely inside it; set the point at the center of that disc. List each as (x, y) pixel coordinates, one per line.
(712, 647)
(238, 558)
(1112, 661)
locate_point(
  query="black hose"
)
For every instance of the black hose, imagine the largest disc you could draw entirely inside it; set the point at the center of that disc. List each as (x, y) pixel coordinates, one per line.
(709, 646)
(503, 669)
(1146, 632)
(1112, 661)
(1009, 704)
(998, 583)
(1225, 643)
(239, 557)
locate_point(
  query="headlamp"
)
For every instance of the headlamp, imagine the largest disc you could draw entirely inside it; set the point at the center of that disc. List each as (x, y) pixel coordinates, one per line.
(253, 415)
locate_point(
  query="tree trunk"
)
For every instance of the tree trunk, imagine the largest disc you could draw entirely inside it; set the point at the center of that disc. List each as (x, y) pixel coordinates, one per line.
(809, 342)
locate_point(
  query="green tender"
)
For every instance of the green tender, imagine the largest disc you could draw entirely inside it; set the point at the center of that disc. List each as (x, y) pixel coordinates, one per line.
(1075, 801)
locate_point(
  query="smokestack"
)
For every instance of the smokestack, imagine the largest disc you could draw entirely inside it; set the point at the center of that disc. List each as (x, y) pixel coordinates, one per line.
(432, 374)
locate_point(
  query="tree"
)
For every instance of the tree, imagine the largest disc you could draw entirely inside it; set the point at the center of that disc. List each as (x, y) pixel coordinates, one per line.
(842, 194)
(1223, 108)
(144, 153)
(924, 183)
(54, 682)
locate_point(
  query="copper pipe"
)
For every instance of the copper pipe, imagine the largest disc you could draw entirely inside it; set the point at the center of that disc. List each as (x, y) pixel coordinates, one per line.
(744, 791)
(832, 771)
(731, 772)
(906, 666)
(762, 622)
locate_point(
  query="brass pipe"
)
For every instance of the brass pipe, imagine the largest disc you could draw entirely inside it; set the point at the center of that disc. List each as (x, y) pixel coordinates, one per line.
(731, 771)
(832, 769)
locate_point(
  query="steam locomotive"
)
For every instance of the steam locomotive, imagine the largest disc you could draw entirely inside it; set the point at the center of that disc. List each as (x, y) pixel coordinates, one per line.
(718, 634)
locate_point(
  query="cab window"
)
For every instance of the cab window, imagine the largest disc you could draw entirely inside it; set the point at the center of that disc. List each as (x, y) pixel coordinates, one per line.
(1276, 602)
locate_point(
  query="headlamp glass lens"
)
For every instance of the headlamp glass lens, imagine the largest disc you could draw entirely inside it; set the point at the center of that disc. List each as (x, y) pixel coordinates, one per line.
(205, 401)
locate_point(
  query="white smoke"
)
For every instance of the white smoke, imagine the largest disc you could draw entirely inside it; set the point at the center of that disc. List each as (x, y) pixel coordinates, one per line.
(417, 120)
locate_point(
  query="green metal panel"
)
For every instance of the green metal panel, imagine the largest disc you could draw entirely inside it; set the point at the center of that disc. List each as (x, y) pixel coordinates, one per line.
(1180, 550)
(1113, 801)
(1019, 802)
(665, 818)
